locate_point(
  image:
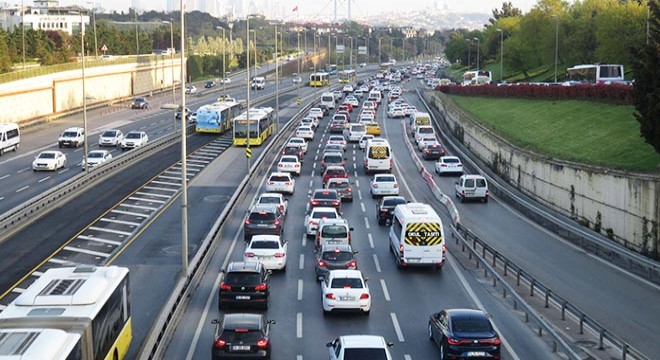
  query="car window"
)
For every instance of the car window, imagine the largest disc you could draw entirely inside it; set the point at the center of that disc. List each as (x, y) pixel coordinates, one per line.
(242, 278)
(333, 159)
(469, 183)
(133, 136)
(451, 160)
(279, 178)
(335, 172)
(70, 134)
(385, 179)
(262, 216)
(241, 335)
(425, 130)
(393, 202)
(258, 244)
(325, 195)
(337, 256)
(47, 156)
(334, 231)
(269, 200)
(324, 214)
(288, 159)
(357, 128)
(347, 283)
(369, 353)
(109, 134)
(95, 155)
(481, 182)
(338, 185)
(471, 325)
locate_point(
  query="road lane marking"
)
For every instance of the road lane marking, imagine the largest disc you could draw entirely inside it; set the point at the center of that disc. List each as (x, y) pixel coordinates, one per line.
(363, 208)
(397, 328)
(4, 177)
(407, 357)
(301, 262)
(299, 325)
(311, 183)
(300, 289)
(356, 174)
(85, 251)
(23, 188)
(386, 293)
(371, 240)
(22, 170)
(366, 222)
(377, 263)
(44, 179)
(304, 239)
(314, 166)
(2, 198)
(298, 357)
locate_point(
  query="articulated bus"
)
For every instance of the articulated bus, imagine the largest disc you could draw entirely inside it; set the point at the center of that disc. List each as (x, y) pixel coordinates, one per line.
(81, 313)
(595, 74)
(347, 76)
(319, 79)
(261, 125)
(217, 118)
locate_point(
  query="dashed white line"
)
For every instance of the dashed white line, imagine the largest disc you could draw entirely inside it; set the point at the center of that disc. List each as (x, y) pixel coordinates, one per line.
(362, 207)
(316, 158)
(354, 159)
(371, 240)
(298, 357)
(21, 170)
(377, 263)
(357, 184)
(397, 328)
(366, 222)
(360, 194)
(356, 174)
(4, 177)
(314, 166)
(44, 179)
(311, 183)
(2, 198)
(301, 262)
(300, 289)
(312, 173)
(63, 171)
(23, 188)
(386, 293)
(299, 325)
(407, 357)
(304, 239)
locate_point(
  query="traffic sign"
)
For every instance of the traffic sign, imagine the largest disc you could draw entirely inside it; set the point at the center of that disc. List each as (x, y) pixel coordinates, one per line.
(298, 101)
(248, 152)
(104, 48)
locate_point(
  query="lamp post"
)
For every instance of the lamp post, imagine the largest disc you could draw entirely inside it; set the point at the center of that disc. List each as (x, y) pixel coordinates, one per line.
(478, 43)
(23, 30)
(247, 84)
(137, 35)
(501, 54)
(184, 170)
(96, 46)
(84, 97)
(556, 43)
(172, 58)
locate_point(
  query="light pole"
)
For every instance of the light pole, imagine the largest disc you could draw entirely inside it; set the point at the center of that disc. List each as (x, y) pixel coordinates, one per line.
(184, 170)
(478, 43)
(501, 54)
(172, 58)
(556, 43)
(23, 30)
(137, 35)
(96, 45)
(247, 84)
(84, 97)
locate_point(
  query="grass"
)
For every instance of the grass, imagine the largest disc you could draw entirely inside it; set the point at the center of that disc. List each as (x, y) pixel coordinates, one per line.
(580, 131)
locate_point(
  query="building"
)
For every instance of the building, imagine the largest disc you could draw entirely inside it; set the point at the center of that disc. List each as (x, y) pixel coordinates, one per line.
(408, 31)
(44, 15)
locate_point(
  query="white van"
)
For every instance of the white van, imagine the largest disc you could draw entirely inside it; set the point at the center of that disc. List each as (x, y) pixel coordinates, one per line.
(417, 236)
(258, 83)
(10, 137)
(328, 99)
(419, 118)
(335, 231)
(423, 130)
(355, 132)
(377, 156)
(472, 187)
(377, 95)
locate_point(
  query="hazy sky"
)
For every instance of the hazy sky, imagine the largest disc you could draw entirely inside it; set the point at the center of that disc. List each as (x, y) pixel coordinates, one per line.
(312, 7)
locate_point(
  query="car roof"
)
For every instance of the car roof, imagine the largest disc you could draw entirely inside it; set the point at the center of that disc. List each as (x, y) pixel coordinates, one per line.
(334, 167)
(363, 341)
(345, 273)
(271, 194)
(241, 266)
(280, 174)
(264, 207)
(265, 238)
(338, 180)
(466, 314)
(332, 247)
(238, 319)
(316, 191)
(289, 157)
(324, 209)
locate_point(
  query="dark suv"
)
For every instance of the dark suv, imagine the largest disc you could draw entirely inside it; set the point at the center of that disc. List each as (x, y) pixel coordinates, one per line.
(324, 198)
(335, 257)
(244, 284)
(343, 187)
(139, 103)
(385, 208)
(264, 219)
(242, 335)
(294, 150)
(337, 126)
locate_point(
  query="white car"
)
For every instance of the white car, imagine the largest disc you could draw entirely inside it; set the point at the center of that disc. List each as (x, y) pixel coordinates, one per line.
(281, 182)
(316, 112)
(345, 290)
(312, 219)
(367, 118)
(134, 139)
(409, 110)
(290, 164)
(274, 198)
(396, 112)
(337, 139)
(191, 89)
(49, 160)
(96, 157)
(363, 141)
(305, 132)
(225, 81)
(352, 100)
(297, 80)
(373, 347)
(369, 105)
(347, 88)
(472, 187)
(448, 164)
(384, 184)
(308, 121)
(112, 137)
(426, 140)
(269, 250)
(298, 141)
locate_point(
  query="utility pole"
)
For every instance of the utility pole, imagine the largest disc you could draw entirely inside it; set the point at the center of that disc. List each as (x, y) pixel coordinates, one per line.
(137, 35)
(184, 151)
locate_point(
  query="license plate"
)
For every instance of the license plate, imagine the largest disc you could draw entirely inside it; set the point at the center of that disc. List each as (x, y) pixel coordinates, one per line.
(412, 260)
(242, 297)
(240, 347)
(476, 353)
(346, 298)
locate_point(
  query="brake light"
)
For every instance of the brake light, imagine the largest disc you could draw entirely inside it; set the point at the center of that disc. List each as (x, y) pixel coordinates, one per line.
(401, 250)
(277, 222)
(224, 286)
(314, 202)
(451, 341)
(262, 343)
(261, 287)
(487, 193)
(241, 330)
(248, 254)
(280, 165)
(219, 343)
(336, 203)
(330, 296)
(247, 221)
(352, 264)
(322, 263)
(349, 190)
(279, 255)
(270, 183)
(288, 183)
(364, 296)
(281, 207)
(375, 185)
(493, 341)
(396, 185)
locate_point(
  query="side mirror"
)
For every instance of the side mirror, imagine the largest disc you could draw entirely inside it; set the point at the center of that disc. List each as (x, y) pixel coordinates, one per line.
(456, 182)
(215, 321)
(271, 322)
(390, 344)
(366, 279)
(269, 272)
(355, 252)
(328, 344)
(350, 229)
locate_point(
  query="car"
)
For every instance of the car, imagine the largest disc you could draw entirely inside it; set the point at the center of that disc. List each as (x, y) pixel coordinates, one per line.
(299, 142)
(367, 118)
(384, 184)
(290, 164)
(297, 80)
(334, 172)
(409, 110)
(238, 335)
(332, 158)
(112, 137)
(264, 219)
(355, 132)
(372, 128)
(337, 139)
(385, 208)
(344, 112)
(469, 187)
(343, 187)
(280, 182)
(326, 109)
(464, 333)
(270, 250)
(423, 130)
(192, 118)
(334, 148)
(335, 231)
(340, 117)
(396, 112)
(345, 108)
(433, 151)
(96, 157)
(448, 165)
(348, 88)
(369, 105)
(315, 215)
(274, 198)
(140, 103)
(350, 347)
(71, 137)
(191, 89)
(426, 140)
(305, 132)
(324, 198)
(225, 81)
(177, 114)
(49, 160)
(294, 150)
(343, 290)
(337, 126)
(244, 284)
(316, 112)
(134, 139)
(363, 141)
(209, 84)
(338, 95)
(334, 257)
(308, 121)
(352, 100)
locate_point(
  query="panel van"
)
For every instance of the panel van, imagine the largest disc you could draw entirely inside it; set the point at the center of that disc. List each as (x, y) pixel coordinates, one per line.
(10, 137)
(377, 156)
(416, 236)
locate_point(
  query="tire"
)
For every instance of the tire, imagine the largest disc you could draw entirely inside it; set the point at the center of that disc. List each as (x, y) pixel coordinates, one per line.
(2, 151)
(485, 200)
(430, 333)
(284, 269)
(326, 312)
(462, 199)
(442, 350)
(366, 313)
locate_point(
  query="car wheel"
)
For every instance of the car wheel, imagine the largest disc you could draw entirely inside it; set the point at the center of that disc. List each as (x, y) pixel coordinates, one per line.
(366, 313)
(326, 312)
(462, 199)
(485, 200)
(430, 332)
(442, 350)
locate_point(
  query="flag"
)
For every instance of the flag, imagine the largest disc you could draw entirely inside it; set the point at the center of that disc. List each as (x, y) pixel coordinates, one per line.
(295, 9)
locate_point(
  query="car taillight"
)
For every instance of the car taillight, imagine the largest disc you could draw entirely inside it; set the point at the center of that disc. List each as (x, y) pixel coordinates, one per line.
(401, 250)
(288, 183)
(277, 222)
(487, 193)
(330, 296)
(384, 210)
(314, 202)
(375, 185)
(248, 254)
(280, 165)
(335, 203)
(322, 263)
(352, 264)
(459, 164)
(452, 341)
(219, 343)
(364, 296)
(396, 186)
(224, 286)
(279, 255)
(261, 287)
(313, 222)
(349, 190)
(493, 341)
(262, 343)
(247, 221)
(281, 207)
(270, 183)
(443, 165)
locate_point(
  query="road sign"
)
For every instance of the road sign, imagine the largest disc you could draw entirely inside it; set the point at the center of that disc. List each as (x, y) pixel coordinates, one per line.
(362, 50)
(248, 152)
(298, 101)
(340, 49)
(104, 48)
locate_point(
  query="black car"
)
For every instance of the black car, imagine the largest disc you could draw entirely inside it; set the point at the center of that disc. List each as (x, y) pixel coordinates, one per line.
(325, 108)
(433, 151)
(209, 84)
(324, 198)
(238, 336)
(464, 333)
(334, 257)
(385, 208)
(294, 150)
(264, 219)
(177, 114)
(244, 284)
(140, 103)
(337, 126)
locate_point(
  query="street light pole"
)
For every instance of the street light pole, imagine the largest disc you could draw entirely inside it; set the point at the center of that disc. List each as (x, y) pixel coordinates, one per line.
(556, 44)
(84, 97)
(277, 84)
(478, 46)
(501, 54)
(184, 170)
(247, 84)
(96, 46)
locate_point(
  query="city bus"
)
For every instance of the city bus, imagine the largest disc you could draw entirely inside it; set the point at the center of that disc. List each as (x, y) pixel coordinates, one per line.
(319, 79)
(481, 77)
(84, 312)
(347, 76)
(595, 74)
(217, 118)
(261, 125)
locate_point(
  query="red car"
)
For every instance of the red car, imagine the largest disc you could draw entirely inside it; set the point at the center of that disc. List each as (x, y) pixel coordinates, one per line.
(345, 107)
(334, 172)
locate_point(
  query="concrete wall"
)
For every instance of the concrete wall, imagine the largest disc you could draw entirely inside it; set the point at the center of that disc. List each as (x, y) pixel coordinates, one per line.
(621, 205)
(44, 96)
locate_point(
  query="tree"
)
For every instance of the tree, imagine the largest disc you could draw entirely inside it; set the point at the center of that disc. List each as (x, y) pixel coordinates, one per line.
(508, 10)
(5, 59)
(647, 82)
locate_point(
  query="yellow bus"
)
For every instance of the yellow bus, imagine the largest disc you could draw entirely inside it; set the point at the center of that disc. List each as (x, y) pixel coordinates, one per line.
(83, 312)
(261, 125)
(319, 79)
(347, 76)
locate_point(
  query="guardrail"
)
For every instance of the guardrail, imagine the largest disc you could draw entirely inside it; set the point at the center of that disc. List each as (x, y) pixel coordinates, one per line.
(466, 236)
(592, 243)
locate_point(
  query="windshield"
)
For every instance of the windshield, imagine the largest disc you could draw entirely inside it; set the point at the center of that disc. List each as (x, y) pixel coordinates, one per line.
(347, 283)
(334, 231)
(325, 195)
(333, 159)
(279, 178)
(258, 244)
(47, 156)
(262, 216)
(109, 134)
(95, 155)
(385, 179)
(338, 185)
(70, 134)
(133, 136)
(357, 128)
(451, 160)
(269, 200)
(335, 172)
(241, 130)
(289, 159)
(393, 202)
(425, 130)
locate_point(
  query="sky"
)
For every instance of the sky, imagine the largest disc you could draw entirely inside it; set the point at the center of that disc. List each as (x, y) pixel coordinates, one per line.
(311, 7)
